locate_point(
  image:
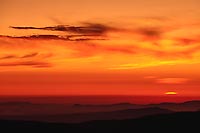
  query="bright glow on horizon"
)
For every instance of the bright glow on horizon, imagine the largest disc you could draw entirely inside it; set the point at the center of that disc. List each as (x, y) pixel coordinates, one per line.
(171, 93)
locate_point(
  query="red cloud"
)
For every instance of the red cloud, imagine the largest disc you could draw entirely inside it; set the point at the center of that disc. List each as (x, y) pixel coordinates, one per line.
(172, 80)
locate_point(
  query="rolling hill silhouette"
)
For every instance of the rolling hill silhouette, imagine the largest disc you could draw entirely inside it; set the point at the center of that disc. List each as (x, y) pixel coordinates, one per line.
(81, 113)
(27, 108)
(181, 122)
(77, 118)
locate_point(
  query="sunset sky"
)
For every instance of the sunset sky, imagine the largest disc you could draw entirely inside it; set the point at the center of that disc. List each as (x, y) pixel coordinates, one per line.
(100, 47)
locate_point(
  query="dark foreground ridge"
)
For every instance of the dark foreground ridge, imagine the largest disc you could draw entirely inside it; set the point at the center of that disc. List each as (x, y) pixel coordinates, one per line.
(181, 122)
(84, 117)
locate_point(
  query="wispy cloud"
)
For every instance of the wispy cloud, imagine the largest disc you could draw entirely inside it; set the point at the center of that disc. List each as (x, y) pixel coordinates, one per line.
(8, 57)
(89, 31)
(176, 51)
(187, 41)
(150, 32)
(82, 41)
(26, 63)
(58, 37)
(28, 60)
(14, 56)
(29, 55)
(87, 28)
(145, 65)
(172, 80)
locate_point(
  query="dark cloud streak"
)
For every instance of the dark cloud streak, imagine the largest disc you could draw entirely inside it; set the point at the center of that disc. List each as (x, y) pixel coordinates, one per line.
(58, 37)
(8, 57)
(87, 32)
(29, 55)
(87, 28)
(150, 32)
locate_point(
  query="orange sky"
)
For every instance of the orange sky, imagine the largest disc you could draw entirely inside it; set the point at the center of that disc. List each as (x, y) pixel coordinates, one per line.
(96, 47)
